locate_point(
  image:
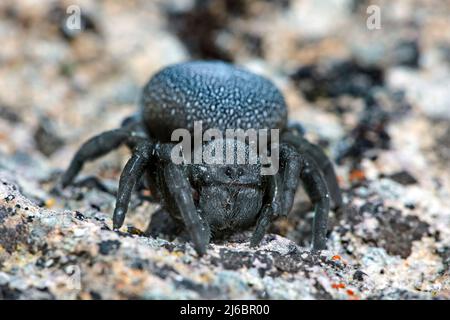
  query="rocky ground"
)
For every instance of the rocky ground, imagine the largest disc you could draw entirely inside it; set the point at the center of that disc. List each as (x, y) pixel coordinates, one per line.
(376, 100)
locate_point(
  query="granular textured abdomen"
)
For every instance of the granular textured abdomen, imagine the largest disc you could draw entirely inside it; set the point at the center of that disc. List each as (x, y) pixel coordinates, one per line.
(218, 94)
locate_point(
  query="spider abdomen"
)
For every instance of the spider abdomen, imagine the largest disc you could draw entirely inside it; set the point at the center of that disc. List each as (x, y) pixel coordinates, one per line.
(220, 95)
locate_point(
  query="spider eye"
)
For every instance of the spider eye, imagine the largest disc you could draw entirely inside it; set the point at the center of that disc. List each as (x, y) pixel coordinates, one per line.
(240, 172)
(228, 172)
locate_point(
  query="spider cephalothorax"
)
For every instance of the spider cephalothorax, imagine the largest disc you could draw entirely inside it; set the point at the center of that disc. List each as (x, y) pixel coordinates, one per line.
(219, 198)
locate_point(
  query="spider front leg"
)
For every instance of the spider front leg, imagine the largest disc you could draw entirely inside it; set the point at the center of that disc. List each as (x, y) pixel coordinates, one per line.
(93, 149)
(282, 188)
(303, 146)
(99, 145)
(180, 189)
(130, 175)
(317, 190)
(269, 212)
(300, 166)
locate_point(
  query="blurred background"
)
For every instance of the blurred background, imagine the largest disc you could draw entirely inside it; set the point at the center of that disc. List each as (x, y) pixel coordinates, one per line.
(346, 82)
(374, 93)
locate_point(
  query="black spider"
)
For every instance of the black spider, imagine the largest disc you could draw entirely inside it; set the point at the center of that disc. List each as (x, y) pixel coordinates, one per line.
(214, 199)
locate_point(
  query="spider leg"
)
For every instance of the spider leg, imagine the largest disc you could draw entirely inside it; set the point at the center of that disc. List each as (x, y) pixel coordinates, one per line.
(290, 168)
(269, 211)
(317, 190)
(301, 166)
(305, 147)
(282, 188)
(180, 189)
(129, 133)
(93, 149)
(130, 175)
